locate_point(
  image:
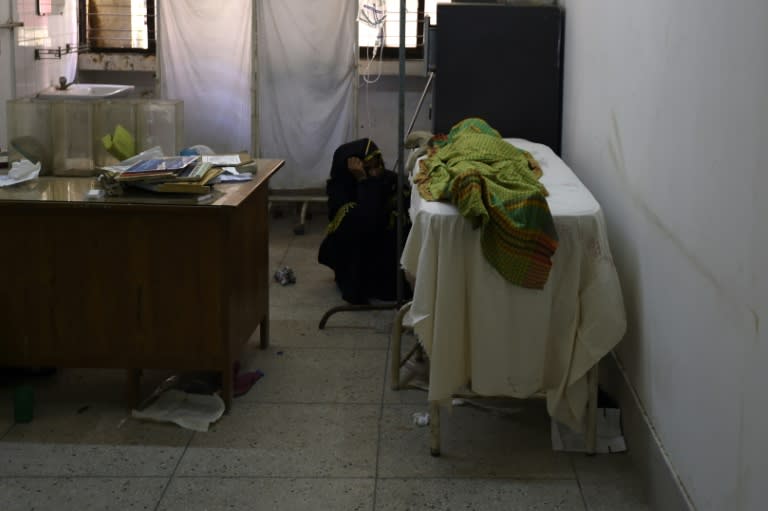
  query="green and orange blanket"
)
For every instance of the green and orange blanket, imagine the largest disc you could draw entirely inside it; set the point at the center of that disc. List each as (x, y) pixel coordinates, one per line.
(495, 186)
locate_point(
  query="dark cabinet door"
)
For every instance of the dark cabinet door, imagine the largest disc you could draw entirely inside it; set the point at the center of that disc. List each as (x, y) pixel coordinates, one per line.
(503, 64)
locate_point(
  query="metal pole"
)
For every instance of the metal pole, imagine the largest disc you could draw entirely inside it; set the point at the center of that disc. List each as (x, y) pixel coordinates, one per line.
(400, 152)
(421, 102)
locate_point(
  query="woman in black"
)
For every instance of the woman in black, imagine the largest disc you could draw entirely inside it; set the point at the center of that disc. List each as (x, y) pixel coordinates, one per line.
(361, 242)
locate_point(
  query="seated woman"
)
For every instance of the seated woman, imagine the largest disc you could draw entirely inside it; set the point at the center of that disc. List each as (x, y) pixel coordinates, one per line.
(361, 241)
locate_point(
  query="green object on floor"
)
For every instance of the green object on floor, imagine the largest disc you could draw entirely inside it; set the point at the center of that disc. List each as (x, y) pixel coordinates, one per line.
(23, 403)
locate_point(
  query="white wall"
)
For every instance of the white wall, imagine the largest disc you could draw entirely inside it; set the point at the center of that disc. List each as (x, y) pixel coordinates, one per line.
(23, 75)
(43, 32)
(666, 120)
(7, 73)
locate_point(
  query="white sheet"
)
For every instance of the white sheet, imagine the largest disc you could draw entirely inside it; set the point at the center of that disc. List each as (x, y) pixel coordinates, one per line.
(307, 77)
(507, 340)
(205, 56)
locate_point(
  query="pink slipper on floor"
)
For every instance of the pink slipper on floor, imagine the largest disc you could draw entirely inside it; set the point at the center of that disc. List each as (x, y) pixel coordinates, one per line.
(244, 381)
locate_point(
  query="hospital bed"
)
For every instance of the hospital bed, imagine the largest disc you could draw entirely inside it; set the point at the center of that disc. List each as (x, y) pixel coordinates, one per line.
(484, 334)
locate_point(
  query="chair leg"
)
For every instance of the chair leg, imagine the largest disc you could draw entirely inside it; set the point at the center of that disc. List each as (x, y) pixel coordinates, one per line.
(434, 428)
(591, 423)
(300, 229)
(354, 308)
(397, 336)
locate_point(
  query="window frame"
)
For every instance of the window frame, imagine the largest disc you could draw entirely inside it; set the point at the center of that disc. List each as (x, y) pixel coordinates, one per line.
(393, 52)
(82, 16)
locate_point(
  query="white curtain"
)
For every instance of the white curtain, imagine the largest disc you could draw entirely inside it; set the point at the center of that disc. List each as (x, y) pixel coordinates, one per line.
(306, 53)
(205, 60)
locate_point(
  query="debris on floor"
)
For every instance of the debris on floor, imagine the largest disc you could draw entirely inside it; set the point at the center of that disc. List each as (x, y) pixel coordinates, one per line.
(421, 418)
(190, 411)
(245, 380)
(285, 276)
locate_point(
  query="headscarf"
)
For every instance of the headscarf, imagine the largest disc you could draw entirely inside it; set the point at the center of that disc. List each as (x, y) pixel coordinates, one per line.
(364, 148)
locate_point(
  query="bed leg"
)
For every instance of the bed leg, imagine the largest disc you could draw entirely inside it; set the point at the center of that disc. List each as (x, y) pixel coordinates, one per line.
(591, 423)
(397, 336)
(434, 428)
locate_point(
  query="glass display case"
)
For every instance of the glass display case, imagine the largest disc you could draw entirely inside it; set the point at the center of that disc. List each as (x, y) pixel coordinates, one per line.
(76, 137)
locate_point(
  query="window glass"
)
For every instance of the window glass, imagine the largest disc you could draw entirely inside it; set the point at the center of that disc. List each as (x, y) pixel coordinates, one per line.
(118, 24)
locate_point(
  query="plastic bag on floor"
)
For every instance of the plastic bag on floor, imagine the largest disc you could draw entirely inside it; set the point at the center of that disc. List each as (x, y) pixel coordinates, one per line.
(191, 411)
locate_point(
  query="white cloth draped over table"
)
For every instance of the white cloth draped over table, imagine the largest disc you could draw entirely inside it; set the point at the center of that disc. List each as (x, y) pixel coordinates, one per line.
(306, 86)
(205, 56)
(507, 340)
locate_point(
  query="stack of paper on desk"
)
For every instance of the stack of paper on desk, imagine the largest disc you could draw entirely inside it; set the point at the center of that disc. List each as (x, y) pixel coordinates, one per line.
(180, 174)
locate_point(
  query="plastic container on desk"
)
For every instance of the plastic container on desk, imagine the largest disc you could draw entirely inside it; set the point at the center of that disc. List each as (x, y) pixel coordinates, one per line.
(73, 140)
(160, 123)
(30, 132)
(109, 116)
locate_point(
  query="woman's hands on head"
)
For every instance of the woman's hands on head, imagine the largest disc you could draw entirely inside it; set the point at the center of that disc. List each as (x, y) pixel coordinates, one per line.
(361, 169)
(356, 168)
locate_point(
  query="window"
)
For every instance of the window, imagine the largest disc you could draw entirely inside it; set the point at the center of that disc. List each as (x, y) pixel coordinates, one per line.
(415, 10)
(118, 25)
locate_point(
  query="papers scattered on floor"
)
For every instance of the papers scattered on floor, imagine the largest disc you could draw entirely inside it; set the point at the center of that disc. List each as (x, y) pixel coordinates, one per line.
(191, 411)
(609, 436)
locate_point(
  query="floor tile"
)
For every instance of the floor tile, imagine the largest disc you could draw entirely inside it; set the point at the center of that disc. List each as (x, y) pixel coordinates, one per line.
(100, 441)
(474, 443)
(381, 319)
(98, 424)
(301, 375)
(305, 291)
(25, 459)
(276, 256)
(281, 230)
(615, 496)
(610, 482)
(287, 441)
(84, 387)
(193, 494)
(80, 494)
(304, 253)
(306, 334)
(477, 495)
(604, 467)
(313, 238)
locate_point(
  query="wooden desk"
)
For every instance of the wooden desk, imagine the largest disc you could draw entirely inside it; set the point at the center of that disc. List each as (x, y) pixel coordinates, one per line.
(133, 283)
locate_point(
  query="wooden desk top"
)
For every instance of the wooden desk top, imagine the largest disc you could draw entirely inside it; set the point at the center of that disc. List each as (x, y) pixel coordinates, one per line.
(73, 190)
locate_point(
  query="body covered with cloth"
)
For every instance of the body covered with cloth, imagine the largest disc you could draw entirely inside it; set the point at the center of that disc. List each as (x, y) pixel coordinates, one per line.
(496, 186)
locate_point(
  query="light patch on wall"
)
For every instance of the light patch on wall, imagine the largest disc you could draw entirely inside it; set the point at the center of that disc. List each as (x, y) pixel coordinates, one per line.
(736, 303)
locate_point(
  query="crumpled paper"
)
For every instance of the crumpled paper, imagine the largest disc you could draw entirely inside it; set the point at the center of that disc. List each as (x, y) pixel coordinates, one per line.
(21, 171)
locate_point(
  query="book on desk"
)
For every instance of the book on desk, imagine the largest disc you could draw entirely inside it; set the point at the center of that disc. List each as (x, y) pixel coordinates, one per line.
(179, 174)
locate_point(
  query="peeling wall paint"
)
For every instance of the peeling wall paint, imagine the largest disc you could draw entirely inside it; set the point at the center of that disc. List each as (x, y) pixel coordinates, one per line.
(117, 62)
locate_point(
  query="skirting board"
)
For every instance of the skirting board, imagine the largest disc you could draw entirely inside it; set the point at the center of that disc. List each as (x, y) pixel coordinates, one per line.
(664, 488)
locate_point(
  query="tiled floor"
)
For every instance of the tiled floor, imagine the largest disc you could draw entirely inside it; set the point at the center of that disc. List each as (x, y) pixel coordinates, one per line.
(321, 431)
